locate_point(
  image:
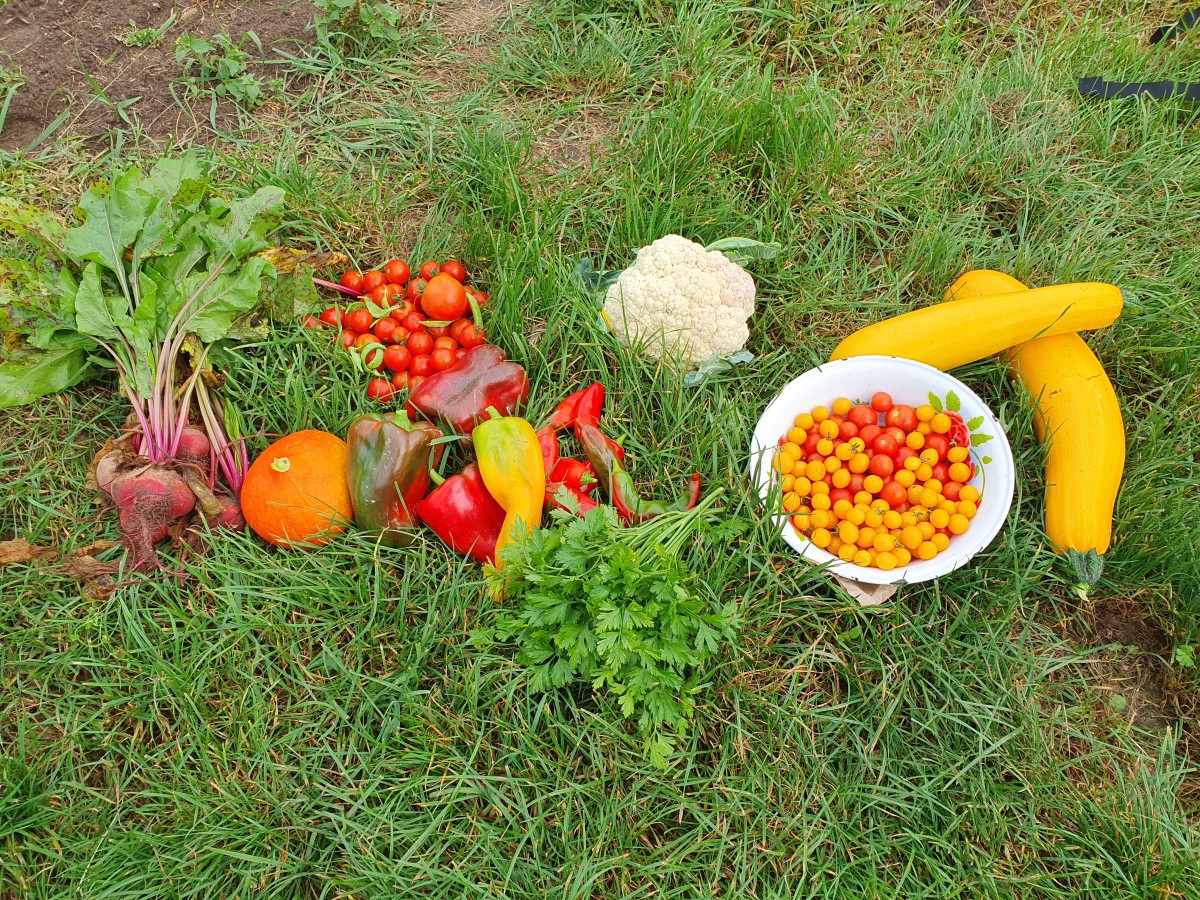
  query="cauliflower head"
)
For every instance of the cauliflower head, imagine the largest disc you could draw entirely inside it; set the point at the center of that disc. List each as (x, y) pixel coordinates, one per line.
(682, 301)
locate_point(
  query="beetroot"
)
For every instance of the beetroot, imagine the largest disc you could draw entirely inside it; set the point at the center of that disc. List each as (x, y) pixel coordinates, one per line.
(194, 447)
(231, 514)
(150, 499)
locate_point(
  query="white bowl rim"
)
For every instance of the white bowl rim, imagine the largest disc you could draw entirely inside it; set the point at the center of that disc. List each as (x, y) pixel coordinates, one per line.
(999, 474)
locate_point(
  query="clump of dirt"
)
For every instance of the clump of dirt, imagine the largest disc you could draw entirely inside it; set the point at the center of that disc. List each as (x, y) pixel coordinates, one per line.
(83, 61)
(1135, 671)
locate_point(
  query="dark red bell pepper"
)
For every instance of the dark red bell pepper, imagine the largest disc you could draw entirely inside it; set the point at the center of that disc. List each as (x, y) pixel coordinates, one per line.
(389, 457)
(548, 441)
(464, 515)
(461, 395)
(618, 483)
(584, 503)
(576, 474)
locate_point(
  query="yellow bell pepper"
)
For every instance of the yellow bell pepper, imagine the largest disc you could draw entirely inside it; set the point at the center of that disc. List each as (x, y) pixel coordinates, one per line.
(510, 461)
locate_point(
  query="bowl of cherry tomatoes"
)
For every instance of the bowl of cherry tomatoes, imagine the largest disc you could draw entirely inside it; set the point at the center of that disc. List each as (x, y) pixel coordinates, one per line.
(884, 469)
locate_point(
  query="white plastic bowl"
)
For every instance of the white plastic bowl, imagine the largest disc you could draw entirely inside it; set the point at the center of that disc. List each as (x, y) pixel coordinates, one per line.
(908, 382)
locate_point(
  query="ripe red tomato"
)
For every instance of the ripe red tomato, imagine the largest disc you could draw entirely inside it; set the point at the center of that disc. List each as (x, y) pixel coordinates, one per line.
(395, 293)
(856, 483)
(840, 494)
(847, 430)
(951, 490)
(416, 288)
(400, 335)
(429, 270)
(893, 494)
(897, 433)
(903, 454)
(379, 296)
(363, 339)
(470, 336)
(313, 322)
(419, 343)
(348, 338)
(444, 298)
(442, 359)
(400, 381)
(380, 389)
(444, 342)
(332, 316)
(902, 416)
(881, 401)
(456, 327)
(862, 415)
(939, 443)
(352, 280)
(396, 271)
(869, 433)
(397, 358)
(385, 330)
(372, 356)
(941, 472)
(882, 465)
(455, 270)
(372, 280)
(480, 296)
(414, 381)
(421, 366)
(413, 322)
(437, 331)
(360, 320)
(405, 307)
(886, 444)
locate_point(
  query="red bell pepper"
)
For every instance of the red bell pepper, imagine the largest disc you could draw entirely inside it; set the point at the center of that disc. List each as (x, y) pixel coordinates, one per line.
(578, 479)
(464, 515)
(548, 441)
(618, 483)
(461, 395)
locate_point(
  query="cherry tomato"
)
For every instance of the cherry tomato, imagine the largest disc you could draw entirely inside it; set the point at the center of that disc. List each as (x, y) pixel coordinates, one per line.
(856, 483)
(869, 433)
(881, 401)
(455, 270)
(882, 465)
(332, 316)
(456, 328)
(405, 307)
(437, 331)
(903, 454)
(941, 472)
(372, 356)
(442, 359)
(480, 296)
(400, 335)
(938, 443)
(379, 296)
(902, 416)
(313, 322)
(419, 343)
(893, 494)
(380, 389)
(444, 342)
(348, 338)
(414, 381)
(840, 494)
(897, 433)
(413, 322)
(444, 298)
(470, 336)
(372, 280)
(396, 271)
(385, 330)
(352, 280)
(847, 430)
(429, 270)
(397, 358)
(363, 339)
(360, 320)
(416, 288)
(886, 444)
(420, 366)
(400, 381)
(951, 490)
(862, 415)
(395, 293)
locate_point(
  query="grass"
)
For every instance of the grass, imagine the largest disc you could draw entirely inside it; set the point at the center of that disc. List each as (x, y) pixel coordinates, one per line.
(317, 724)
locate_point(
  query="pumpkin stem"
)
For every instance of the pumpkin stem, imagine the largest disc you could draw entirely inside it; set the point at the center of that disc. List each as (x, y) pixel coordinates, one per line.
(281, 464)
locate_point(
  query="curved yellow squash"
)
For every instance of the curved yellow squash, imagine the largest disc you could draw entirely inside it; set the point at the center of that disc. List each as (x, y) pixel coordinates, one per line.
(1078, 409)
(955, 333)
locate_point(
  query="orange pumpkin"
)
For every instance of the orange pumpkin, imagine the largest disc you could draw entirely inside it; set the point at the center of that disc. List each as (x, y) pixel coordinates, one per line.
(296, 493)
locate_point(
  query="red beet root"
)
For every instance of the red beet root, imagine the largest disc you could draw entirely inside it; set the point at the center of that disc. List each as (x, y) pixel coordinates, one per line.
(194, 446)
(150, 500)
(230, 516)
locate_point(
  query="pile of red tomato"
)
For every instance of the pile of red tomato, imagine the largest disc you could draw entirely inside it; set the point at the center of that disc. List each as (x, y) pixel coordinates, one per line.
(406, 328)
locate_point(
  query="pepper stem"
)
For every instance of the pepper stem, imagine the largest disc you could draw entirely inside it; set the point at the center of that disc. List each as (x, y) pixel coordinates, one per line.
(493, 413)
(281, 464)
(436, 477)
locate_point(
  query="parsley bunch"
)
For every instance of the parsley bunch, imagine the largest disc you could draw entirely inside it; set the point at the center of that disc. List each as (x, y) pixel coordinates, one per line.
(587, 599)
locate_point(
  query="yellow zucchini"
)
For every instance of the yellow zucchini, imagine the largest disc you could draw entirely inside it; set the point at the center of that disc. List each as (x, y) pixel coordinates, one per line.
(967, 329)
(1077, 408)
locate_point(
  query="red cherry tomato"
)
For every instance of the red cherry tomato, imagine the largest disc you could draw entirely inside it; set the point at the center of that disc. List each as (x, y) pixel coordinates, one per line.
(360, 320)
(397, 358)
(442, 359)
(414, 381)
(380, 389)
(897, 433)
(903, 454)
(332, 316)
(869, 433)
(480, 296)
(455, 270)
(372, 280)
(313, 322)
(396, 271)
(429, 270)
(437, 331)
(416, 288)
(456, 328)
(405, 307)
(882, 465)
(444, 342)
(379, 296)
(881, 401)
(372, 356)
(902, 416)
(364, 339)
(951, 490)
(444, 298)
(419, 343)
(385, 329)
(400, 381)
(840, 494)
(939, 443)
(420, 366)
(847, 430)
(886, 444)
(352, 280)
(856, 483)
(893, 493)
(413, 322)
(400, 335)
(395, 293)
(862, 415)
(471, 336)
(349, 337)
(941, 472)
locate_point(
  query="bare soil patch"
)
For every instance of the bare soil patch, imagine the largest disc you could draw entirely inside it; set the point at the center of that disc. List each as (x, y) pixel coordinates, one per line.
(58, 45)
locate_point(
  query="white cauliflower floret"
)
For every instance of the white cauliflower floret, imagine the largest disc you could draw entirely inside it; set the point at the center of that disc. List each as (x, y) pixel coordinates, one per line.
(678, 297)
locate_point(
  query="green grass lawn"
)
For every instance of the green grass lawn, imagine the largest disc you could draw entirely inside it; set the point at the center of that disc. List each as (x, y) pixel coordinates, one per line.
(317, 724)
